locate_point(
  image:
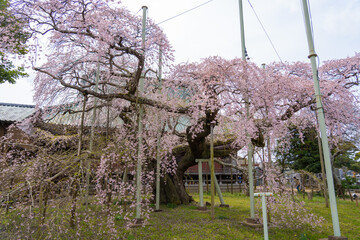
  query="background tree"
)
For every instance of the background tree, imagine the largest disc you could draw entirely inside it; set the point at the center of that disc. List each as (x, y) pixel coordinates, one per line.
(13, 40)
(356, 165)
(344, 155)
(301, 152)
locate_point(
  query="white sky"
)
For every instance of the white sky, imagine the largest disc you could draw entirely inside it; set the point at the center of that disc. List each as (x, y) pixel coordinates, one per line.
(214, 29)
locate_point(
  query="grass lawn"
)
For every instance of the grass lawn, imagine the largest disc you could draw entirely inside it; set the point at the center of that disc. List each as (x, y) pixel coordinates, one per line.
(186, 222)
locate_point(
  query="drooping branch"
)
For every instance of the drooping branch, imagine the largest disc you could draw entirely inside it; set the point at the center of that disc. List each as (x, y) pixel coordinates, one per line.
(125, 96)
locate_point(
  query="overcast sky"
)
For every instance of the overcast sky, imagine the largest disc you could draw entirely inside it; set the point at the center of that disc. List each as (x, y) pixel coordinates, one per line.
(214, 29)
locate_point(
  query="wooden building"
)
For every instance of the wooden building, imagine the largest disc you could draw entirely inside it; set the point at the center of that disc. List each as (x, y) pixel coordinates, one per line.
(11, 113)
(224, 174)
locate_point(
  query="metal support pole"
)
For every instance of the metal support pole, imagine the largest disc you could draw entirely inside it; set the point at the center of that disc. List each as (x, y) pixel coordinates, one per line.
(264, 212)
(92, 133)
(321, 119)
(140, 126)
(201, 190)
(94, 110)
(322, 167)
(157, 205)
(160, 68)
(125, 175)
(250, 146)
(251, 180)
(157, 197)
(212, 169)
(231, 179)
(217, 186)
(242, 31)
(81, 131)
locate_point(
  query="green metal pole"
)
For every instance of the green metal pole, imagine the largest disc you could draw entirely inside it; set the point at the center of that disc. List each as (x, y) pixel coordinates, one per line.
(266, 234)
(157, 205)
(250, 146)
(92, 132)
(94, 110)
(140, 125)
(264, 211)
(212, 169)
(251, 180)
(321, 119)
(81, 132)
(268, 145)
(201, 190)
(322, 167)
(160, 68)
(242, 31)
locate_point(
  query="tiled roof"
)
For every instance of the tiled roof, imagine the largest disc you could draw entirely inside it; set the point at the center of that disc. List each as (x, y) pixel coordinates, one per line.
(60, 115)
(10, 112)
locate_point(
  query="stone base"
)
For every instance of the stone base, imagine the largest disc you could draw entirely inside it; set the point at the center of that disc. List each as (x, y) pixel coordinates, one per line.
(334, 238)
(337, 238)
(139, 222)
(253, 222)
(224, 205)
(204, 208)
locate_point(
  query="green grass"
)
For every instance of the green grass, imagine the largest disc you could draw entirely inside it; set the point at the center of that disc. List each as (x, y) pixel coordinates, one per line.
(186, 222)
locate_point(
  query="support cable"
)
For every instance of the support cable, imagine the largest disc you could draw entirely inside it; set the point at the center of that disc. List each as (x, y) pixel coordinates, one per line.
(189, 10)
(138, 11)
(267, 35)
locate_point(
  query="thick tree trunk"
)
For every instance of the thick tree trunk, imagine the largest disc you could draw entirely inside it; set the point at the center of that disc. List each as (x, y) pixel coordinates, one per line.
(172, 186)
(173, 189)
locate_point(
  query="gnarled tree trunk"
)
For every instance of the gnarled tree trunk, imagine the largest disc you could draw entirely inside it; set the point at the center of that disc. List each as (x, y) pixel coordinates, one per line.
(173, 187)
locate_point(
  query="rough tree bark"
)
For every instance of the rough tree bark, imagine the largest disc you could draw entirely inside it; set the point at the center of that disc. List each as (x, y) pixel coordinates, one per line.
(172, 186)
(173, 189)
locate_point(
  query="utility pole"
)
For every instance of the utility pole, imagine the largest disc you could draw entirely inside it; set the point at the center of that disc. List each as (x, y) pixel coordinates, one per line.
(323, 174)
(250, 145)
(323, 171)
(321, 119)
(140, 125)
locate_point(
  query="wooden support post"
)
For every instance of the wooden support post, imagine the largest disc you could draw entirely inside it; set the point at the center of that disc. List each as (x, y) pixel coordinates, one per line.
(218, 190)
